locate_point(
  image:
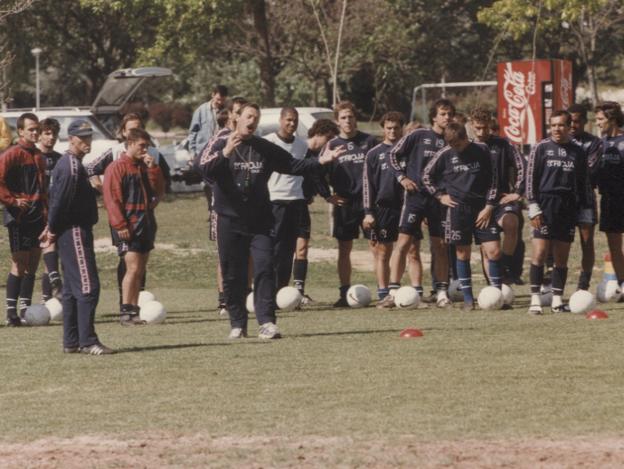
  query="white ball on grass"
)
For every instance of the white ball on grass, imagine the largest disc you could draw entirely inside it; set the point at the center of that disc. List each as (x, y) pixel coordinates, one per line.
(288, 298)
(145, 297)
(37, 315)
(359, 296)
(608, 291)
(455, 291)
(249, 303)
(490, 298)
(55, 308)
(406, 297)
(582, 301)
(508, 294)
(153, 312)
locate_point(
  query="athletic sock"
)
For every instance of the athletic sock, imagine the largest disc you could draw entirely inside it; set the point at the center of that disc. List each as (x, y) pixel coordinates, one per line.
(121, 272)
(507, 263)
(300, 272)
(343, 291)
(536, 278)
(51, 261)
(584, 279)
(442, 290)
(559, 277)
(221, 299)
(12, 294)
(496, 277)
(464, 274)
(46, 288)
(127, 308)
(26, 290)
(382, 292)
(419, 290)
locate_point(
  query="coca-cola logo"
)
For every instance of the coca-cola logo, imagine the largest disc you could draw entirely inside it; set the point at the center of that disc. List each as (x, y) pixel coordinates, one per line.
(517, 89)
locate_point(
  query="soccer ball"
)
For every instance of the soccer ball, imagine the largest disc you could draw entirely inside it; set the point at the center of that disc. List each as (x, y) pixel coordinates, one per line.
(508, 294)
(249, 303)
(490, 298)
(55, 308)
(608, 291)
(37, 315)
(582, 301)
(359, 296)
(288, 298)
(153, 312)
(406, 297)
(455, 291)
(145, 297)
(546, 295)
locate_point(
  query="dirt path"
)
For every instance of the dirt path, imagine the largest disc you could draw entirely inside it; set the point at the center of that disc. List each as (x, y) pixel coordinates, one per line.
(202, 450)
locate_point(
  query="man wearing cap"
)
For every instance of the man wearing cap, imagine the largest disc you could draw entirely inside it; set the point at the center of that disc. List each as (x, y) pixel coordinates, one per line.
(22, 191)
(72, 214)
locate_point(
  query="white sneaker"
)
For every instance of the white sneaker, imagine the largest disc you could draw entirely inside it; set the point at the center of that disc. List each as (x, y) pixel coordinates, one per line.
(223, 312)
(536, 310)
(237, 333)
(443, 302)
(269, 331)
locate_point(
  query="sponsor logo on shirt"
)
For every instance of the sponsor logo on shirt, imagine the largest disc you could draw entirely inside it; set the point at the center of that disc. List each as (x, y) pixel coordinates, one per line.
(254, 167)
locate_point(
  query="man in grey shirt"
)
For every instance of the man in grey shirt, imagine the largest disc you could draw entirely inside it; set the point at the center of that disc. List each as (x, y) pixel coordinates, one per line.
(204, 123)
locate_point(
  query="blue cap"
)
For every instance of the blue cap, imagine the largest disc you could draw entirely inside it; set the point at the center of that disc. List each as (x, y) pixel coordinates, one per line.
(80, 128)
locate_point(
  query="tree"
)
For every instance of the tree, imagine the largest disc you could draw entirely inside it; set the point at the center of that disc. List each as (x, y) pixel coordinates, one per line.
(587, 23)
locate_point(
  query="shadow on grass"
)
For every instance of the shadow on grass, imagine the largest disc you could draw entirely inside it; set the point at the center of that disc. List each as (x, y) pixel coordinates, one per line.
(153, 348)
(342, 333)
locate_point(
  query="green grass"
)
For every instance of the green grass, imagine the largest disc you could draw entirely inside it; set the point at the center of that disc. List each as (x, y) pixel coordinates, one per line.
(336, 373)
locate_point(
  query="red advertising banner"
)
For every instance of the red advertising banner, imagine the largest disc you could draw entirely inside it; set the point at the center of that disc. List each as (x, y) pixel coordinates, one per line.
(528, 91)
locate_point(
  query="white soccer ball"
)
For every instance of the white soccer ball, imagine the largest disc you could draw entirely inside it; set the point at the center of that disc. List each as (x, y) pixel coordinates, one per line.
(145, 297)
(153, 312)
(288, 298)
(582, 301)
(249, 303)
(359, 296)
(37, 315)
(406, 297)
(490, 298)
(608, 291)
(55, 308)
(508, 294)
(546, 295)
(455, 291)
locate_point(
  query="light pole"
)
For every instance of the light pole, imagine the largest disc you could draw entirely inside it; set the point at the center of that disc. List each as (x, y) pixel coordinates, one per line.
(37, 52)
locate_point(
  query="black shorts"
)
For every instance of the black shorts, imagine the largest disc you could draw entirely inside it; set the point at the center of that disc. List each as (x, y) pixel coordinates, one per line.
(559, 216)
(386, 229)
(347, 221)
(24, 236)
(459, 226)
(590, 217)
(291, 217)
(502, 210)
(417, 207)
(141, 244)
(612, 213)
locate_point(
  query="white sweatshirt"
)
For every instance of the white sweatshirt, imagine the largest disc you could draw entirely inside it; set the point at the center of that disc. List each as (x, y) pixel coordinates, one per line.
(285, 186)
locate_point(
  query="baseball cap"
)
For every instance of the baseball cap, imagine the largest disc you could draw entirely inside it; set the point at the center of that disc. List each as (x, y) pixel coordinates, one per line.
(80, 128)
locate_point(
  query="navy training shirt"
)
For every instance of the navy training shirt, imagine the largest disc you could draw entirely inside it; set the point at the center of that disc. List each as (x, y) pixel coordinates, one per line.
(380, 186)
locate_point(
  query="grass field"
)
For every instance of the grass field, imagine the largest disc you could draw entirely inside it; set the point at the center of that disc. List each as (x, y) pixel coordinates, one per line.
(341, 388)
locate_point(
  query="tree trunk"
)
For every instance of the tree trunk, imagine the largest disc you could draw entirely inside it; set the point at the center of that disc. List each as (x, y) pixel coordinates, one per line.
(265, 58)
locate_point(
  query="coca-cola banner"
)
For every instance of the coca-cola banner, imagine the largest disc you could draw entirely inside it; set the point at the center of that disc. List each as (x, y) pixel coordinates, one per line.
(521, 112)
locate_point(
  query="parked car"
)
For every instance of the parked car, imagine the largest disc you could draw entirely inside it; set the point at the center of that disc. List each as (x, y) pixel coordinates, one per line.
(103, 115)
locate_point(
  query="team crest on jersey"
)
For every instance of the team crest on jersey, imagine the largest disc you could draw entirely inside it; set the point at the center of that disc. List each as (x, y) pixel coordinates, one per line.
(427, 141)
(439, 143)
(494, 150)
(455, 160)
(550, 153)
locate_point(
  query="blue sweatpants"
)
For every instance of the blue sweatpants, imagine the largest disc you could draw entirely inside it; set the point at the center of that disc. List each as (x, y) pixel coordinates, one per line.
(81, 286)
(235, 247)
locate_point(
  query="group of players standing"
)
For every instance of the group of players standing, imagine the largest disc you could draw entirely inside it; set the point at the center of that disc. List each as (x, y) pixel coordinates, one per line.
(50, 203)
(461, 189)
